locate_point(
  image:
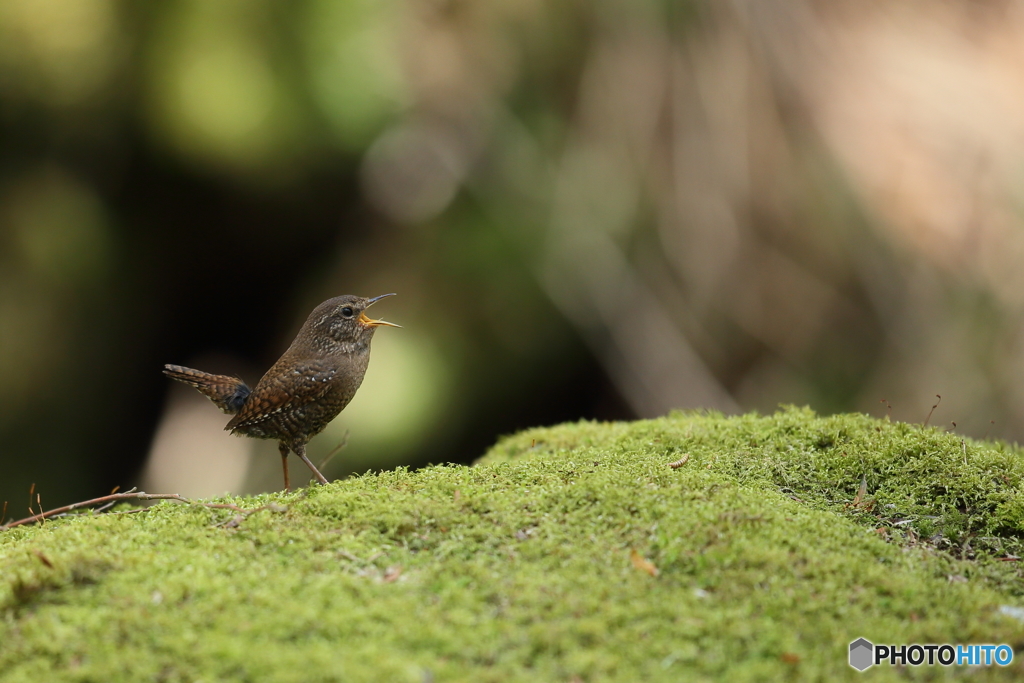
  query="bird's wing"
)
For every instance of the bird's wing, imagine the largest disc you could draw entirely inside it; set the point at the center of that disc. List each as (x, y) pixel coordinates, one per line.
(284, 388)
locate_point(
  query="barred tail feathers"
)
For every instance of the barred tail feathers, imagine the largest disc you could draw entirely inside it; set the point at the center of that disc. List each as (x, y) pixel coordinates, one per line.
(228, 393)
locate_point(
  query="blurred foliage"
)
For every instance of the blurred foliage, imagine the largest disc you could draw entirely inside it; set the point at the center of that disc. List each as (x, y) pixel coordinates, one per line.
(598, 209)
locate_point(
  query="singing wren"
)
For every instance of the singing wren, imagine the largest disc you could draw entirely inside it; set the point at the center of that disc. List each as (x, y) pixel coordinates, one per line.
(306, 388)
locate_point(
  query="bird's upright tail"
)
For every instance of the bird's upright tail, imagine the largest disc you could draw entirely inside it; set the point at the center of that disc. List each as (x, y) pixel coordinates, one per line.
(229, 393)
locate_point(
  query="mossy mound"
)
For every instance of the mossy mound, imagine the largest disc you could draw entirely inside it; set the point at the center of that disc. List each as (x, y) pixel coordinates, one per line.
(573, 553)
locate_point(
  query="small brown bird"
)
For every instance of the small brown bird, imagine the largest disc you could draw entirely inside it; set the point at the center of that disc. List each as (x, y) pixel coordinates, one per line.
(311, 383)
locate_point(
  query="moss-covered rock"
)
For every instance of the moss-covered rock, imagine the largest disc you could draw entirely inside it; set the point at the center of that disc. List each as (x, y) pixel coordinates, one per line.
(572, 553)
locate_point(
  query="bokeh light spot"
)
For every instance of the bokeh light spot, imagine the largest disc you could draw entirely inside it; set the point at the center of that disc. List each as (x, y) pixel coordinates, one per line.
(59, 52)
(216, 97)
(60, 228)
(355, 76)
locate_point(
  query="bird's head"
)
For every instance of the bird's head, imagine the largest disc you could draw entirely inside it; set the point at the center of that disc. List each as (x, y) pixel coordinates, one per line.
(343, 319)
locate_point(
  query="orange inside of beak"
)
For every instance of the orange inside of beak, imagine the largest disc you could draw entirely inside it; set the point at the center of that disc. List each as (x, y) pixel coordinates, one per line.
(369, 322)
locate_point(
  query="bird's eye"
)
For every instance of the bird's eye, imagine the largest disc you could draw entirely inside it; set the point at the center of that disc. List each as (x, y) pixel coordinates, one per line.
(347, 312)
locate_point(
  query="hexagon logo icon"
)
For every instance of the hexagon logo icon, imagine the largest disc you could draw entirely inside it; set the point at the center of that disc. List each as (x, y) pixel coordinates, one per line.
(861, 651)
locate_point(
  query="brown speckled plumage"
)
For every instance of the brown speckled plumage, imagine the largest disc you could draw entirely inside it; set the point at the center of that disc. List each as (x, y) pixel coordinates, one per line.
(311, 383)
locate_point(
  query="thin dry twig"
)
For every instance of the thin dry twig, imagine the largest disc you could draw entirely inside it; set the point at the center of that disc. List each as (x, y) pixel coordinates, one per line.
(101, 508)
(106, 501)
(43, 558)
(334, 451)
(114, 497)
(124, 512)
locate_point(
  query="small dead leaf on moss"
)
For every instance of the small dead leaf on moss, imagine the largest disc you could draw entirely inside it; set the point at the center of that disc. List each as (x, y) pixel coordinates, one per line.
(392, 573)
(859, 501)
(43, 558)
(861, 492)
(233, 522)
(790, 657)
(641, 563)
(680, 462)
(456, 496)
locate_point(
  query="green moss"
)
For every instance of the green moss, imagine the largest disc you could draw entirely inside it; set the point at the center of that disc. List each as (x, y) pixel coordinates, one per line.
(520, 568)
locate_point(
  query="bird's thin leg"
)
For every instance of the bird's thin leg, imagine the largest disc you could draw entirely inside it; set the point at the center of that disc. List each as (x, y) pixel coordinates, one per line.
(283, 447)
(301, 452)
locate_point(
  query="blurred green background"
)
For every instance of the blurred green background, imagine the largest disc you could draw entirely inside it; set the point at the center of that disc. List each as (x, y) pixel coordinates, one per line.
(599, 209)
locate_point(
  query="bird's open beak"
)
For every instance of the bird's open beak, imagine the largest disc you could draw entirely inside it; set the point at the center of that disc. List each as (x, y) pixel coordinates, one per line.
(374, 323)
